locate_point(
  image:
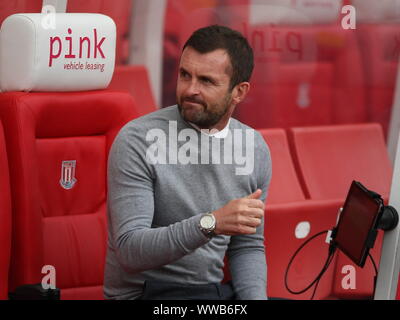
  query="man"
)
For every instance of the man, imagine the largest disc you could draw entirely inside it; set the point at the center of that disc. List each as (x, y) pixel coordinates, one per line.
(181, 193)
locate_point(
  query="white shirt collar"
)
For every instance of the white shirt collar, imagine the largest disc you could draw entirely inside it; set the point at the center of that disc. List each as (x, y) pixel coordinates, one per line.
(218, 134)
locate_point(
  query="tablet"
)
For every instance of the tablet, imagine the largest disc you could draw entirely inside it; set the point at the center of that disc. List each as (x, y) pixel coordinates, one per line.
(356, 229)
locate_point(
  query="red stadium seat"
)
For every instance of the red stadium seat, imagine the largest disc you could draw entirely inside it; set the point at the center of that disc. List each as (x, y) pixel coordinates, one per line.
(380, 56)
(135, 80)
(304, 75)
(58, 146)
(5, 218)
(328, 159)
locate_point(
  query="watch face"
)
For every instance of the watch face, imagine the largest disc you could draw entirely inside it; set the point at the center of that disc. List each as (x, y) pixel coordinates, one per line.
(207, 222)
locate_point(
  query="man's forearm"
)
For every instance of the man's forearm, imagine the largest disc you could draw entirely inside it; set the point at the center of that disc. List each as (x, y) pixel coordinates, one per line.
(149, 248)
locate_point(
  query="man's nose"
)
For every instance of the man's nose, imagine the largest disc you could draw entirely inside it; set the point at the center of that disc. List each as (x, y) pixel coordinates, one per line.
(193, 88)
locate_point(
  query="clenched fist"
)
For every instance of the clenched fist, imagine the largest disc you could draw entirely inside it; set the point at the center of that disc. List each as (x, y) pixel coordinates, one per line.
(240, 216)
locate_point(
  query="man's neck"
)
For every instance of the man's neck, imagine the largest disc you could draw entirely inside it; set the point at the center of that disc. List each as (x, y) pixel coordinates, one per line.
(214, 132)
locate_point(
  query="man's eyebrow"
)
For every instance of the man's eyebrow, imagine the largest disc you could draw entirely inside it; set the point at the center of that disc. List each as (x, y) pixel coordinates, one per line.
(201, 76)
(209, 77)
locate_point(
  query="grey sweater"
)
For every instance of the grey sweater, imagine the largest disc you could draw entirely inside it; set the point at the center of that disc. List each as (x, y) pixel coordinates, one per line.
(160, 182)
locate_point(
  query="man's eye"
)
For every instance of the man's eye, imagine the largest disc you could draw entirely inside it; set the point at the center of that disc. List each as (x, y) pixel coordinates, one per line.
(184, 74)
(206, 80)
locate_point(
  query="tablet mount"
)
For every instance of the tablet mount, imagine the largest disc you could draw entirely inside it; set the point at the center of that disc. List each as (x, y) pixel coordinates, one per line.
(389, 218)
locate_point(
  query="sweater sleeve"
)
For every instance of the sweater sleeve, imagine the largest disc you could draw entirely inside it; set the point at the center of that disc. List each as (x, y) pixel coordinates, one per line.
(138, 246)
(246, 253)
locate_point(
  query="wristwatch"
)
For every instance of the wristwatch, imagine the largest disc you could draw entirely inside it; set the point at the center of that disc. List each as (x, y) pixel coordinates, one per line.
(207, 224)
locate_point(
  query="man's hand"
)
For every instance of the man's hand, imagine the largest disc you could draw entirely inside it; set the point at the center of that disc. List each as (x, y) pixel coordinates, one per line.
(240, 216)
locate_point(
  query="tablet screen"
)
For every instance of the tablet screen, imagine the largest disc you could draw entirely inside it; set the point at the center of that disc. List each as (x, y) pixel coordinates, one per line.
(358, 218)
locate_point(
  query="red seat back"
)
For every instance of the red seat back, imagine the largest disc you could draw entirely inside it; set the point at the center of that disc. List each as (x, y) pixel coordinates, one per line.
(285, 186)
(330, 157)
(55, 138)
(5, 218)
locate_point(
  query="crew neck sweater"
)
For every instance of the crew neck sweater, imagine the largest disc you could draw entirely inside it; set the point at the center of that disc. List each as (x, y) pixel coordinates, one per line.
(163, 175)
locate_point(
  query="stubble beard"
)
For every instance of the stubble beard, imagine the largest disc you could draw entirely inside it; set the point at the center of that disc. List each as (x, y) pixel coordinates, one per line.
(209, 116)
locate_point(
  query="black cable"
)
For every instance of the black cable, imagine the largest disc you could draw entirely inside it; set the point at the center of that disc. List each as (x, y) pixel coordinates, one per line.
(315, 289)
(376, 274)
(323, 270)
(373, 262)
(327, 266)
(291, 261)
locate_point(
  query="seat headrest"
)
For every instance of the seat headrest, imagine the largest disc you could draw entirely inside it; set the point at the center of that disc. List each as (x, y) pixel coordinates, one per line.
(65, 52)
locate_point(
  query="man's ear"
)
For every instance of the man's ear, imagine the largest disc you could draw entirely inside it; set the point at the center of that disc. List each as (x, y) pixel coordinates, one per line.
(240, 91)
